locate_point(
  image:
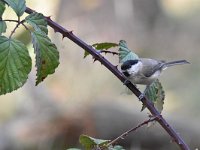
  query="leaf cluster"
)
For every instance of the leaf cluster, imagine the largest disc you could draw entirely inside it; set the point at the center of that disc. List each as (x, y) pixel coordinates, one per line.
(15, 60)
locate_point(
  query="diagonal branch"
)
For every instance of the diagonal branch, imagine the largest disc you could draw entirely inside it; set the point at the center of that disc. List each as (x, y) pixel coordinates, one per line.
(66, 33)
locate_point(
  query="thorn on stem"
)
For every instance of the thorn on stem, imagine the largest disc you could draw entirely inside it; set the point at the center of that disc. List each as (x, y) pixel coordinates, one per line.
(116, 66)
(95, 59)
(48, 17)
(55, 30)
(63, 36)
(71, 32)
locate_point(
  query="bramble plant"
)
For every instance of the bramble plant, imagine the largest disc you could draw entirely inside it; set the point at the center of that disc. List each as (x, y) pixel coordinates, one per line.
(16, 64)
(15, 60)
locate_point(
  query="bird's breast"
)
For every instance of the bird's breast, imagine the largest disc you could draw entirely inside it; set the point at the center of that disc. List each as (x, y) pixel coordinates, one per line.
(141, 79)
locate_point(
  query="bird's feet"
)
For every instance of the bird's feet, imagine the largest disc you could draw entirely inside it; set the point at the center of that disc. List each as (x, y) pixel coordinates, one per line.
(142, 95)
(126, 82)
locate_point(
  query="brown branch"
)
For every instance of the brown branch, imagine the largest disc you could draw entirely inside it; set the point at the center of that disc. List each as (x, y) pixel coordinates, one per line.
(123, 135)
(18, 24)
(10, 20)
(65, 33)
(108, 52)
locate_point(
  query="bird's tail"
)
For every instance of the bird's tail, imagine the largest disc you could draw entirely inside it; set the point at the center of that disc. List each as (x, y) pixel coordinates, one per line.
(173, 63)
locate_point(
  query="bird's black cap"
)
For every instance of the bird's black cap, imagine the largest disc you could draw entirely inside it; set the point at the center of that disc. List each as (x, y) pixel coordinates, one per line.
(127, 64)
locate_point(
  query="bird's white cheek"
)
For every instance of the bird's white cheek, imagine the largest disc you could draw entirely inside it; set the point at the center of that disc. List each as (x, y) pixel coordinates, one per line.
(132, 73)
(134, 69)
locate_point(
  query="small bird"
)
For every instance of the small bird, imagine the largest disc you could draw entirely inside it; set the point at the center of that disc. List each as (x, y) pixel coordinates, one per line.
(145, 70)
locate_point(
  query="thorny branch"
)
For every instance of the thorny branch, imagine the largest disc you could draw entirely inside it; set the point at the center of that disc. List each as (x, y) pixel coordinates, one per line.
(108, 52)
(18, 24)
(122, 136)
(65, 33)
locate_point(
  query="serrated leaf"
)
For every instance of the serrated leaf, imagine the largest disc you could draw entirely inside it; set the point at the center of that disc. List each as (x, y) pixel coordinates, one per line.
(19, 6)
(125, 53)
(2, 8)
(89, 142)
(156, 94)
(3, 27)
(47, 55)
(15, 64)
(102, 46)
(37, 21)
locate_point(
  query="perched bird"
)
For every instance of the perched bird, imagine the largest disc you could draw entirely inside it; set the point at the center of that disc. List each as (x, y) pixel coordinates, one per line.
(146, 70)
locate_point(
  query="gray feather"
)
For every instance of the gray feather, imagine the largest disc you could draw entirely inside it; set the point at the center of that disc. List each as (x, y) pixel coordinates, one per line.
(150, 66)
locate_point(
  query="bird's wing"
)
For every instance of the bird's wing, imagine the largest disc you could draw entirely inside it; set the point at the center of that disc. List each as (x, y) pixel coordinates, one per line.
(150, 66)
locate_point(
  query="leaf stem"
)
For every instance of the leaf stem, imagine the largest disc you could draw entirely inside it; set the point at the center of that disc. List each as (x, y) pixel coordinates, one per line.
(10, 20)
(25, 27)
(18, 24)
(108, 52)
(65, 33)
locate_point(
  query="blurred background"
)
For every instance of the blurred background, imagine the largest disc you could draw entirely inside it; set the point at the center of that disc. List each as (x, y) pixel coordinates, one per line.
(83, 97)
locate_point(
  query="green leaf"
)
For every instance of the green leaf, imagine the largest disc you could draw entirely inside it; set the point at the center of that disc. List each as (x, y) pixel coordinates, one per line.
(37, 21)
(102, 46)
(2, 8)
(3, 27)
(47, 55)
(89, 142)
(156, 94)
(15, 64)
(86, 54)
(73, 149)
(116, 147)
(19, 6)
(125, 53)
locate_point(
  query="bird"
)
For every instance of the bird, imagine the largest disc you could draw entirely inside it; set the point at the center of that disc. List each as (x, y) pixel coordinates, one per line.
(146, 70)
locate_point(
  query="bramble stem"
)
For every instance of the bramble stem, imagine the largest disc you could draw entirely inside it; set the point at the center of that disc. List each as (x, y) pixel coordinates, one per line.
(65, 33)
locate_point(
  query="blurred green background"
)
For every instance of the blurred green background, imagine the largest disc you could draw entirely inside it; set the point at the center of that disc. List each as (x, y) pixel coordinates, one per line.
(84, 97)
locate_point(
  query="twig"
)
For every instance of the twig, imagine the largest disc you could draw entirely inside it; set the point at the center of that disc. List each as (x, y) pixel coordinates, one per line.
(18, 24)
(108, 52)
(65, 33)
(122, 136)
(25, 26)
(10, 20)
